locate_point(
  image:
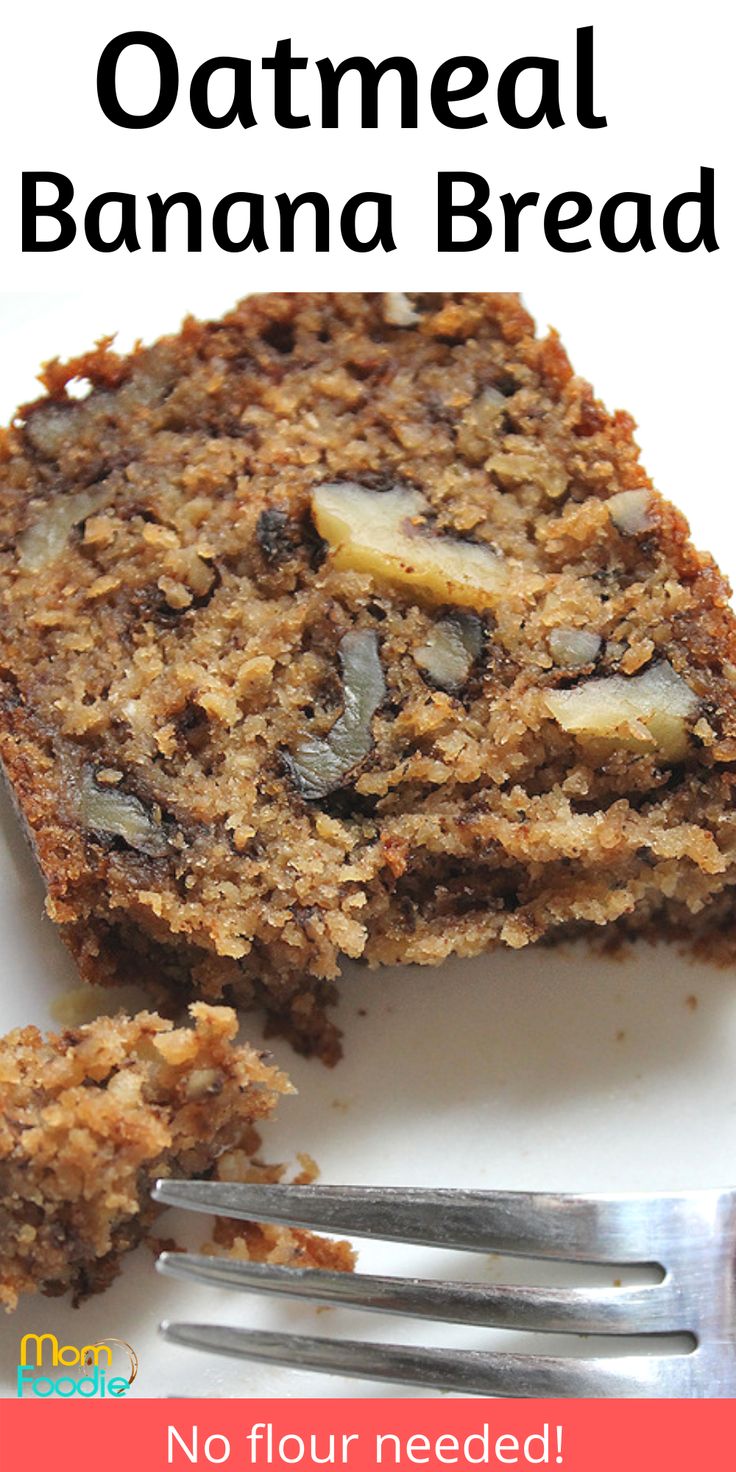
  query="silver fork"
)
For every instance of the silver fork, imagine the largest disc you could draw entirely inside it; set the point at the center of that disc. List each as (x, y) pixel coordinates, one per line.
(691, 1235)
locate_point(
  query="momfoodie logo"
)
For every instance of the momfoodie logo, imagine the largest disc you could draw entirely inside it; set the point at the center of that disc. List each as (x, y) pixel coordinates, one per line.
(87, 1370)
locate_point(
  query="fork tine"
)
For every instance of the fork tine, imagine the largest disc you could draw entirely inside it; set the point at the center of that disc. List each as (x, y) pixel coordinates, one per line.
(465, 1371)
(647, 1310)
(598, 1228)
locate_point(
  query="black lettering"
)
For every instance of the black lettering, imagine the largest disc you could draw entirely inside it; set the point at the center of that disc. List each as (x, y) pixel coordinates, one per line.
(554, 223)
(641, 234)
(549, 102)
(31, 211)
(447, 211)
(370, 76)
(585, 83)
(107, 80)
(126, 235)
(442, 94)
(255, 234)
(282, 64)
(287, 212)
(383, 233)
(706, 231)
(512, 208)
(159, 216)
(241, 106)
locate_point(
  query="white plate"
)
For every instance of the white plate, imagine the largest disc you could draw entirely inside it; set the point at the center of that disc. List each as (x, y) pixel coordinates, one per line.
(537, 1069)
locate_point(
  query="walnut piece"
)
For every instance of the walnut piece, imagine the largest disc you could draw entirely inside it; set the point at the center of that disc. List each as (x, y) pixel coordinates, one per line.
(45, 539)
(450, 650)
(204, 1081)
(322, 766)
(107, 812)
(629, 511)
(384, 533)
(398, 310)
(645, 713)
(574, 647)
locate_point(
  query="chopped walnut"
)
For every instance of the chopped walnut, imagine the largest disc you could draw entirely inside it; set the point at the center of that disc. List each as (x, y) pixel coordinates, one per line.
(629, 511)
(385, 533)
(451, 650)
(107, 812)
(49, 426)
(203, 1082)
(574, 647)
(322, 766)
(45, 539)
(398, 310)
(645, 713)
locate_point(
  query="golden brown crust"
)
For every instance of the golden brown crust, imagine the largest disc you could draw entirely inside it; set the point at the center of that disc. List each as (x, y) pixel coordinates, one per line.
(187, 641)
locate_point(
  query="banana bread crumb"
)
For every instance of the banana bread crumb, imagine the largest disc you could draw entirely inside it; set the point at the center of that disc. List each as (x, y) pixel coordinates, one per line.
(91, 1116)
(353, 627)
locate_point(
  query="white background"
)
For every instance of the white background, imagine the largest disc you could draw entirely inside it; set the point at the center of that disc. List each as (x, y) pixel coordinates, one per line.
(526, 1070)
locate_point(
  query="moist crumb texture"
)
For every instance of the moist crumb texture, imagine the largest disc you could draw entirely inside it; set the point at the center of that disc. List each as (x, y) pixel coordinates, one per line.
(352, 626)
(90, 1117)
(264, 1241)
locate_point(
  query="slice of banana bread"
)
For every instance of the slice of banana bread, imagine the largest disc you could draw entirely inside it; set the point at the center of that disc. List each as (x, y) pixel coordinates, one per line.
(351, 625)
(90, 1118)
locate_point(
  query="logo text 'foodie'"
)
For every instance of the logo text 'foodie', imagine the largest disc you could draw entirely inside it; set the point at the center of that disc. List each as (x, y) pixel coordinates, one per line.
(89, 1369)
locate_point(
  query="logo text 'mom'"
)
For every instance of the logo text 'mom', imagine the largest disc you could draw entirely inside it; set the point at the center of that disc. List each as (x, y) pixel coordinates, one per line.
(61, 1354)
